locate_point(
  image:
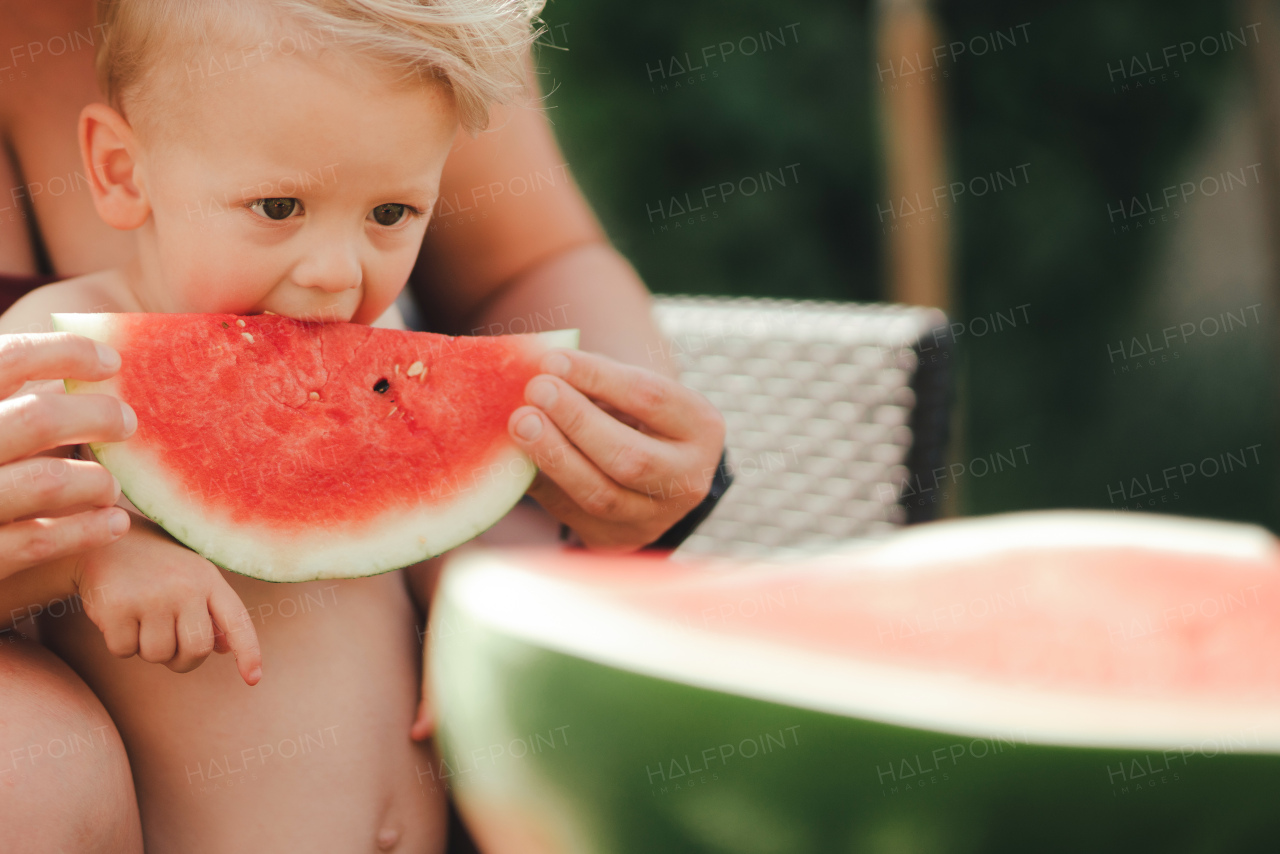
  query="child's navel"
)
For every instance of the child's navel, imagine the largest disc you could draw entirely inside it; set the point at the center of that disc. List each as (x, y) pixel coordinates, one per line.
(387, 838)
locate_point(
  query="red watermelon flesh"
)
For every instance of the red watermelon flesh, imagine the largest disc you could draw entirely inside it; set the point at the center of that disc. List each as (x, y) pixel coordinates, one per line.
(1134, 621)
(291, 450)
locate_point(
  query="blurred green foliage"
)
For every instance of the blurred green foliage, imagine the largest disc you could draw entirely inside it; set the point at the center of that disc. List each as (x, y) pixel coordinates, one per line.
(805, 101)
(1052, 103)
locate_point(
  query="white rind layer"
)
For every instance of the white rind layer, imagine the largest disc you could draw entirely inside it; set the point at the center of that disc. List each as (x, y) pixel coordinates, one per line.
(972, 539)
(493, 589)
(397, 538)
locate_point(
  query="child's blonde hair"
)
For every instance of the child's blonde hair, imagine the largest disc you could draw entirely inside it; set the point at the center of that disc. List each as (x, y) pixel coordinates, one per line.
(476, 47)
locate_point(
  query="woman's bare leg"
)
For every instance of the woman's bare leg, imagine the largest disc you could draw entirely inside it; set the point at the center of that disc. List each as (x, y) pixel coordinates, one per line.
(65, 784)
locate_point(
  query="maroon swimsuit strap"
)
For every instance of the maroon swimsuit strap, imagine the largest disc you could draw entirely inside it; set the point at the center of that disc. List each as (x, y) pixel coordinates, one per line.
(12, 288)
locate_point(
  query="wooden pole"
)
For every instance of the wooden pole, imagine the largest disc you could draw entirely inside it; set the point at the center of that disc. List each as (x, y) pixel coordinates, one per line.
(918, 225)
(918, 241)
(1264, 73)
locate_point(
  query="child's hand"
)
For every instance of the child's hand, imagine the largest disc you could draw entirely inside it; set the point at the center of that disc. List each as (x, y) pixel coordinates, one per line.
(424, 722)
(624, 452)
(422, 579)
(151, 597)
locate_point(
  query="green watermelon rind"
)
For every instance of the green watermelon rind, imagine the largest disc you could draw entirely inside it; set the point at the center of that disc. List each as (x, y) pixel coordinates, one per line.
(394, 541)
(495, 590)
(608, 785)
(610, 699)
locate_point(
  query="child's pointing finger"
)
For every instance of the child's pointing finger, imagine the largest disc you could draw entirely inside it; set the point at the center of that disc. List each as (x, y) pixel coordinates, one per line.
(233, 619)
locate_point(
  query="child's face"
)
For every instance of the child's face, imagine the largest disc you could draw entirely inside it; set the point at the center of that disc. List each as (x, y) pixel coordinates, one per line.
(303, 189)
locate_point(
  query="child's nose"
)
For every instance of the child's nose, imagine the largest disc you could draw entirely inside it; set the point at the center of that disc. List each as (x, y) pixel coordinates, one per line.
(332, 265)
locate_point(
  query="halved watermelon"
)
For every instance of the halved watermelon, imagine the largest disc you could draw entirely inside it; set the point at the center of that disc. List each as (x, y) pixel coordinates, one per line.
(291, 451)
(1036, 682)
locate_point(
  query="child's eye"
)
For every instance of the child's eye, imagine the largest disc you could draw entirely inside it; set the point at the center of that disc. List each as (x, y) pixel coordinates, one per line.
(276, 208)
(391, 214)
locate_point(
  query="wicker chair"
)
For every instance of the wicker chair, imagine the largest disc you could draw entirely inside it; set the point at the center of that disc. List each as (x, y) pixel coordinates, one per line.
(831, 408)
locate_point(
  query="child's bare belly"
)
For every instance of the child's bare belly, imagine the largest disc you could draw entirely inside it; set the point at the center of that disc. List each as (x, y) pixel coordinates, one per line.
(317, 757)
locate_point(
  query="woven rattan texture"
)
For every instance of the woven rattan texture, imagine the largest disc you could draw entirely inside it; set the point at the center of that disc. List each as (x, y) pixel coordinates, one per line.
(818, 401)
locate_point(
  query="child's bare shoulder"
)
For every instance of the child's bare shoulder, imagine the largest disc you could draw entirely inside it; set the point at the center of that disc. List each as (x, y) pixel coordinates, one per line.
(94, 292)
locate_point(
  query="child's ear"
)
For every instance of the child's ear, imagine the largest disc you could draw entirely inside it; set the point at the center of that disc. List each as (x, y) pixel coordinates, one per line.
(108, 146)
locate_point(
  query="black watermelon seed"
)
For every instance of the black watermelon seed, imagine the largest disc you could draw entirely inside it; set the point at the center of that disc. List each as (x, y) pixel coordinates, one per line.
(226, 325)
(381, 385)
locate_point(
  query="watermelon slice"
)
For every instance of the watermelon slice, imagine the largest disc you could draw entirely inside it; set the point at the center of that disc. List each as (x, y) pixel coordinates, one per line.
(292, 451)
(1037, 682)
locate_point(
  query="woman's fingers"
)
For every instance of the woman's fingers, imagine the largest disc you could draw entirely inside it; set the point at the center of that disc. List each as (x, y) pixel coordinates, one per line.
(52, 356)
(35, 541)
(45, 485)
(631, 458)
(590, 488)
(555, 501)
(596, 532)
(660, 403)
(38, 422)
(32, 423)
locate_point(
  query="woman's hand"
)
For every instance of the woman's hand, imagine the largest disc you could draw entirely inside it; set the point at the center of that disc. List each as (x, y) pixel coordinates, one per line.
(50, 506)
(624, 452)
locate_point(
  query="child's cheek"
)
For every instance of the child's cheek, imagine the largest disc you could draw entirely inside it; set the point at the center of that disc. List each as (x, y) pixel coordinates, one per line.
(210, 283)
(207, 265)
(384, 280)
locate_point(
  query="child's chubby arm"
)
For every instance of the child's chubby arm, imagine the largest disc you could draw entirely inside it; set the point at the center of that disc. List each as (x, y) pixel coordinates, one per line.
(149, 597)
(93, 293)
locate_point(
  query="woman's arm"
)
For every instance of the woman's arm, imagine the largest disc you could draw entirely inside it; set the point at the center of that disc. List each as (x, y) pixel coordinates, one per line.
(515, 247)
(625, 452)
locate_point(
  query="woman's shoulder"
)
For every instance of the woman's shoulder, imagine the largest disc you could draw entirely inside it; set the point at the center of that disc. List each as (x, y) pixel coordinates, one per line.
(104, 291)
